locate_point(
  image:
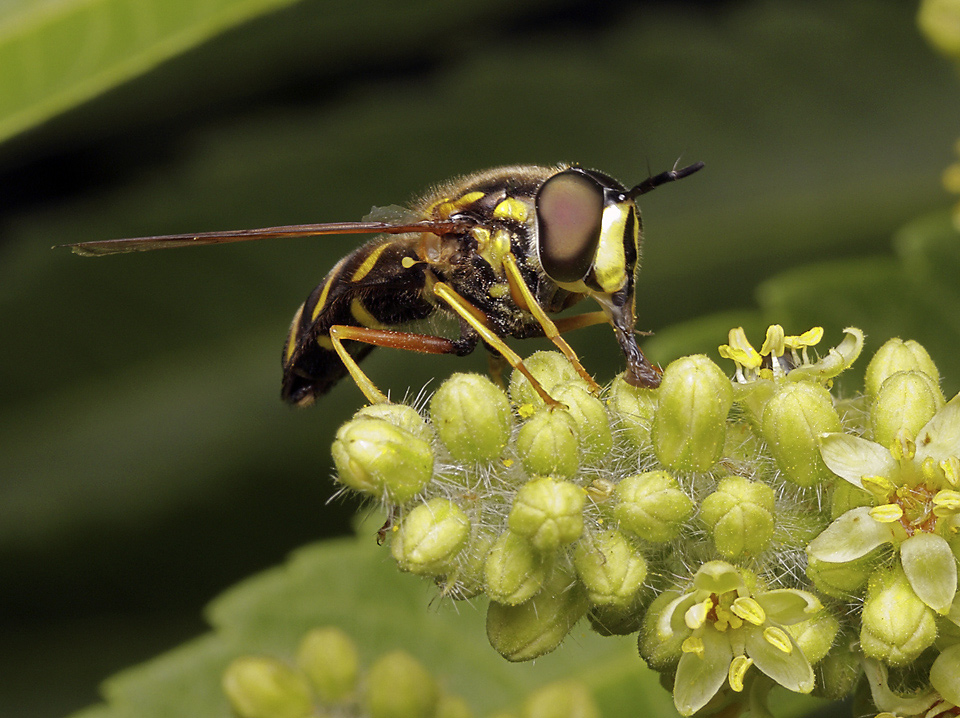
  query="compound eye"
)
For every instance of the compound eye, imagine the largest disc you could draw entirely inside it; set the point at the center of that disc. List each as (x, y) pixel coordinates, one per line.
(569, 215)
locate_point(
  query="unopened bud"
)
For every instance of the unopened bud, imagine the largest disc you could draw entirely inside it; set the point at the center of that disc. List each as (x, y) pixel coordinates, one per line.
(841, 580)
(548, 513)
(548, 443)
(940, 22)
(898, 355)
(739, 515)
(593, 424)
(261, 687)
(634, 407)
(472, 417)
(467, 578)
(816, 635)
(896, 626)
(536, 627)
(652, 506)
(690, 422)
(548, 368)
(377, 458)
(514, 570)
(398, 686)
(612, 570)
(451, 706)
(328, 657)
(840, 670)
(660, 650)
(430, 536)
(906, 401)
(400, 415)
(563, 699)
(793, 420)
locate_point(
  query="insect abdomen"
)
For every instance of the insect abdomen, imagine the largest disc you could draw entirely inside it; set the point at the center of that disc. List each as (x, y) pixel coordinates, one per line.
(369, 288)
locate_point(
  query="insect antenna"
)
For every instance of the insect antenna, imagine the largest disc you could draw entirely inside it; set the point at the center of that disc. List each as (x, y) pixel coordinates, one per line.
(651, 183)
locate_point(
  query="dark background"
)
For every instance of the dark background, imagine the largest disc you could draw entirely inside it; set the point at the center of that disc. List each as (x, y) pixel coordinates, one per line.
(146, 462)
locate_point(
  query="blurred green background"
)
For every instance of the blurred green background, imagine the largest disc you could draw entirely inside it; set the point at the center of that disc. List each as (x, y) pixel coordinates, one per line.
(146, 462)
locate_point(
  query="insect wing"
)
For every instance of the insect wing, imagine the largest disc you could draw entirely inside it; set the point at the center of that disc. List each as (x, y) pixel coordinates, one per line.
(170, 241)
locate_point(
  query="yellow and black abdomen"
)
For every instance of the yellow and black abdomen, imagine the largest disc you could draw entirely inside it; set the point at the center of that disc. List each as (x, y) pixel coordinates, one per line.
(371, 287)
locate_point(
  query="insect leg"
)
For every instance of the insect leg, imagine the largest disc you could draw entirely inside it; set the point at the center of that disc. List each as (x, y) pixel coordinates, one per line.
(550, 330)
(475, 318)
(423, 343)
(580, 321)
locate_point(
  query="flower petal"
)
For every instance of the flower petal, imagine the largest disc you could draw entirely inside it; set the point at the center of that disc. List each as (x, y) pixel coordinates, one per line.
(718, 577)
(837, 359)
(787, 606)
(699, 679)
(851, 536)
(931, 570)
(940, 437)
(852, 458)
(791, 670)
(945, 674)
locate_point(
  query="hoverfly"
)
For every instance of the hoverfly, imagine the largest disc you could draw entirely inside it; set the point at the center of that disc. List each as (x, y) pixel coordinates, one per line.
(497, 250)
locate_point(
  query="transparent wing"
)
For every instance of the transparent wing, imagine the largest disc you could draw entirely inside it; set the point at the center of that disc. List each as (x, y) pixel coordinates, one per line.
(170, 241)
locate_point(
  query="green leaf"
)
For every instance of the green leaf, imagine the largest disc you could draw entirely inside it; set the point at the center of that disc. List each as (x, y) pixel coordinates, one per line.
(350, 583)
(56, 55)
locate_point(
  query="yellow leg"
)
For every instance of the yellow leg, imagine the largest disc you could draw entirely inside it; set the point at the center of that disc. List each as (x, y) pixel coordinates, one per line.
(474, 317)
(550, 330)
(369, 389)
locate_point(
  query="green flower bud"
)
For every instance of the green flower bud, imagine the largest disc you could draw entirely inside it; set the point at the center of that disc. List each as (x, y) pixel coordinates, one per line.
(839, 670)
(548, 513)
(612, 570)
(842, 580)
(739, 515)
(793, 420)
(563, 699)
(377, 458)
(896, 626)
(897, 355)
(815, 636)
(398, 686)
(690, 422)
(451, 706)
(939, 20)
(467, 579)
(514, 570)
(652, 506)
(328, 657)
(634, 407)
(593, 424)
(906, 400)
(549, 368)
(430, 536)
(846, 496)
(261, 687)
(534, 628)
(548, 443)
(660, 651)
(611, 620)
(472, 417)
(400, 415)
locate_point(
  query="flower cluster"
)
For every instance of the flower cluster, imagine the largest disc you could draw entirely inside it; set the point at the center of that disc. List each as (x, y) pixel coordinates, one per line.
(326, 679)
(753, 531)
